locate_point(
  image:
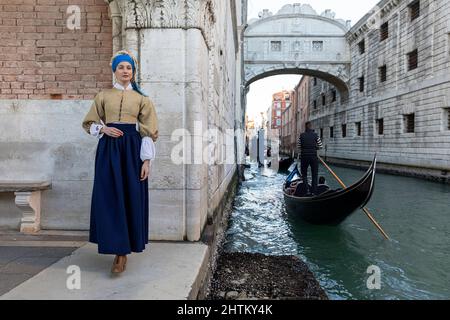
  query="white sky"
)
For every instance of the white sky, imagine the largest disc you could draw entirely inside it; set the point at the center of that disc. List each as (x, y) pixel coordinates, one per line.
(260, 95)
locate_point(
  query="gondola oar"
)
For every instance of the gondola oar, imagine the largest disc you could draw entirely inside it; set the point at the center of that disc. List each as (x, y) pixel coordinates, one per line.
(364, 209)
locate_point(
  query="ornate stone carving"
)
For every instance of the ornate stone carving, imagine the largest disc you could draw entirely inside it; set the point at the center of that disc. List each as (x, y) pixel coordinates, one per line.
(184, 14)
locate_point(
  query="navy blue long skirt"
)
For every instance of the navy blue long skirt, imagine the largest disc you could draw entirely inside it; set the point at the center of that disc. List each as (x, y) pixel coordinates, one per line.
(119, 208)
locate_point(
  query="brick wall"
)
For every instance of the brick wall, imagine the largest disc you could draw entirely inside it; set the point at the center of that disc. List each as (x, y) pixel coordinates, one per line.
(40, 58)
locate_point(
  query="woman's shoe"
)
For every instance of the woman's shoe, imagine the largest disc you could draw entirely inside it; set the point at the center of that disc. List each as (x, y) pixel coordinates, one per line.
(119, 264)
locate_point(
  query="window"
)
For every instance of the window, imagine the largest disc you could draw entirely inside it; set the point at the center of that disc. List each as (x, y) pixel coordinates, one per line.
(331, 132)
(380, 126)
(413, 60)
(278, 113)
(278, 122)
(315, 104)
(315, 81)
(414, 10)
(361, 84)
(344, 130)
(358, 129)
(324, 99)
(275, 46)
(317, 46)
(362, 47)
(409, 123)
(321, 133)
(384, 31)
(333, 95)
(446, 118)
(383, 73)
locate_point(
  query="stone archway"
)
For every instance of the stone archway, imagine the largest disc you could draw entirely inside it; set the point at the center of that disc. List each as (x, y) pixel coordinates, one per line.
(298, 40)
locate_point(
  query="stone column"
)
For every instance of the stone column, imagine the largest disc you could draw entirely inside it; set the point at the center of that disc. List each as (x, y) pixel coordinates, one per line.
(172, 41)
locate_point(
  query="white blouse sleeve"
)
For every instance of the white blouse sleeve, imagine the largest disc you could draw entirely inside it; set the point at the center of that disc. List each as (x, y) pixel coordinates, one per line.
(95, 130)
(148, 149)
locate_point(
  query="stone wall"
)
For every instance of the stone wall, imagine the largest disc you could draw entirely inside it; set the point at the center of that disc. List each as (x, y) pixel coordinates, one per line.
(424, 91)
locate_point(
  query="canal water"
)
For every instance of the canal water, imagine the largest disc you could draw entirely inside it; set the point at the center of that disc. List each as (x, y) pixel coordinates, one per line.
(414, 264)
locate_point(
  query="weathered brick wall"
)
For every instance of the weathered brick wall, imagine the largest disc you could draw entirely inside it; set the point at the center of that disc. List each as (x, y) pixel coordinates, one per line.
(424, 91)
(40, 58)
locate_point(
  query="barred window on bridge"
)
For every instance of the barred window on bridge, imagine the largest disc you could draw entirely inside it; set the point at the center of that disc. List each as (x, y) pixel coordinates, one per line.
(317, 46)
(275, 46)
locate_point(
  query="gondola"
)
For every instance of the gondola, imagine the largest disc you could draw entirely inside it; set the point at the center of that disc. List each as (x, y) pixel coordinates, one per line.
(333, 206)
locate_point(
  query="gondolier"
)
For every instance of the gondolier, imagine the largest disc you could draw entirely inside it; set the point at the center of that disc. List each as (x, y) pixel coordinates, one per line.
(308, 144)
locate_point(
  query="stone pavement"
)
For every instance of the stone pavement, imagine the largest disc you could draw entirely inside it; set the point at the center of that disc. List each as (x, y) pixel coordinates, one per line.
(18, 264)
(165, 270)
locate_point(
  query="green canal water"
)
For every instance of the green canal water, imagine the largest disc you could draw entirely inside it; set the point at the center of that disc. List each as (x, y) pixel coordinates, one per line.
(414, 264)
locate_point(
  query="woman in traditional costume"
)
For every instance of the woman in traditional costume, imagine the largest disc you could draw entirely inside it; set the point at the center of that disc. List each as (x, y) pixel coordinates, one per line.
(124, 120)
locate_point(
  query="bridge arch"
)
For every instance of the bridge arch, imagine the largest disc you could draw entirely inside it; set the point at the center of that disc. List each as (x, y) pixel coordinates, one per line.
(298, 40)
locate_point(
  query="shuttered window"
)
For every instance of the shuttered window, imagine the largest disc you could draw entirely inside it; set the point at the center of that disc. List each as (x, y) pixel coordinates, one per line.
(413, 60)
(414, 10)
(333, 95)
(380, 126)
(362, 47)
(383, 73)
(448, 118)
(409, 123)
(361, 84)
(358, 128)
(384, 31)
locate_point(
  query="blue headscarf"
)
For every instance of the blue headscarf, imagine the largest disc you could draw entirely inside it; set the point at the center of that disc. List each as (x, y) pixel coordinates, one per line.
(125, 57)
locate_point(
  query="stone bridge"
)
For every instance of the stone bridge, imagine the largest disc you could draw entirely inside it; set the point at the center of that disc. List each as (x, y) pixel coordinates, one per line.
(297, 40)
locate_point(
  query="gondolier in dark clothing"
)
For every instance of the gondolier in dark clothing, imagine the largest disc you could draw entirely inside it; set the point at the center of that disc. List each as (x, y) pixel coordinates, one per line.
(308, 144)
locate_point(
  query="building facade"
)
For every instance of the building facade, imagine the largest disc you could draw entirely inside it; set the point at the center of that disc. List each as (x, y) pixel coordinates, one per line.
(301, 102)
(280, 102)
(399, 100)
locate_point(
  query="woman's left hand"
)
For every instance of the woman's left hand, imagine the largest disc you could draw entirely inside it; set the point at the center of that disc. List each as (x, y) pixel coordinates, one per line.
(145, 171)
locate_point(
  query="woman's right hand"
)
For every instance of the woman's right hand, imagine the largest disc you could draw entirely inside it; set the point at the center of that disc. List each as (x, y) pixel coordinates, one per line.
(111, 131)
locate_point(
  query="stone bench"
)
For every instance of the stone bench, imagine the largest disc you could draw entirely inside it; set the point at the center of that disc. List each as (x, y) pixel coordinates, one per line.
(28, 200)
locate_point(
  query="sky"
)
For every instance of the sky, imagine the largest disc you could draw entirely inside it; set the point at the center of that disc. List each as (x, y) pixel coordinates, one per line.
(260, 94)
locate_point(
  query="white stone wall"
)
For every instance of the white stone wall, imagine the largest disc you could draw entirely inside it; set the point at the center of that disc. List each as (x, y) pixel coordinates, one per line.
(224, 110)
(424, 91)
(43, 140)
